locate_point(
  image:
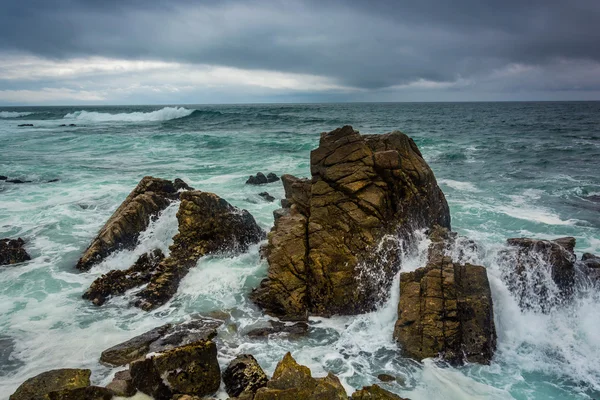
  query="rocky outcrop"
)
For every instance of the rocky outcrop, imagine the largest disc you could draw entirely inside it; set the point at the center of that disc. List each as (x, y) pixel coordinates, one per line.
(261, 179)
(244, 375)
(12, 251)
(374, 392)
(293, 381)
(540, 273)
(121, 231)
(446, 310)
(42, 386)
(207, 224)
(191, 369)
(117, 282)
(160, 339)
(326, 253)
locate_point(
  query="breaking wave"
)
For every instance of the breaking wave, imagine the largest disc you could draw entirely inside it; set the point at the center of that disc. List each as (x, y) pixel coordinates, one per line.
(164, 114)
(13, 114)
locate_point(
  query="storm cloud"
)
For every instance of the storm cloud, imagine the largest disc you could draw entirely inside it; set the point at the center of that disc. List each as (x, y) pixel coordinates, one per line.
(315, 50)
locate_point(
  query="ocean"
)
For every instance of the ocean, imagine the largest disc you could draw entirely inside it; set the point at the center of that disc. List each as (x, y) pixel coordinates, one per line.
(507, 170)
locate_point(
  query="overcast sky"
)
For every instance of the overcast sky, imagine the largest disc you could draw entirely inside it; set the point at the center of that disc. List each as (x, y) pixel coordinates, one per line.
(185, 51)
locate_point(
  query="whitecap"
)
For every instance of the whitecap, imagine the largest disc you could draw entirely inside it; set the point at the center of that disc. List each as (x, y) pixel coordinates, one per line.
(164, 114)
(458, 185)
(13, 114)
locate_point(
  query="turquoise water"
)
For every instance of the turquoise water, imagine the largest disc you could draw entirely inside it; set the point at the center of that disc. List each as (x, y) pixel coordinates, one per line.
(507, 169)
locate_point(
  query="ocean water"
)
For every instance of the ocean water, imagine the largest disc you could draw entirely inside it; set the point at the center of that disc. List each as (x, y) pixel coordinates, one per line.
(507, 169)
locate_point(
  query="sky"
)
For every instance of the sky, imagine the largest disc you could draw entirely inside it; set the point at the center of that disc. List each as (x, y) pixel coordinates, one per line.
(249, 51)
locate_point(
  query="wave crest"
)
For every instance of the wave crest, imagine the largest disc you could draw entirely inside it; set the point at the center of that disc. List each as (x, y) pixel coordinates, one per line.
(13, 114)
(164, 114)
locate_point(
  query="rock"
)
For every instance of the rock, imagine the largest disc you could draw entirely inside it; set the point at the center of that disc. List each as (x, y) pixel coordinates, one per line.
(25, 125)
(386, 378)
(327, 254)
(207, 224)
(267, 196)
(40, 386)
(292, 381)
(258, 179)
(3, 178)
(12, 251)
(590, 260)
(122, 384)
(446, 310)
(160, 339)
(374, 392)
(192, 369)
(17, 181)
(528, 264)
(244, 374)
(117, 282)
(271, 177)
(53, 180)
(121, 231)
(84, 393)
(181, 185)
(277, 327)
(72, 125)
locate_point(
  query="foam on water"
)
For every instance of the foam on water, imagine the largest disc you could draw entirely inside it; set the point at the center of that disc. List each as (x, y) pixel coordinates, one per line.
(467, 186)
(164, 114)
(13, 114)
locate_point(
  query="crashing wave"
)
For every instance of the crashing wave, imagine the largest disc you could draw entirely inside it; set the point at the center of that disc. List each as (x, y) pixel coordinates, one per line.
(164, 114)
(13, 114)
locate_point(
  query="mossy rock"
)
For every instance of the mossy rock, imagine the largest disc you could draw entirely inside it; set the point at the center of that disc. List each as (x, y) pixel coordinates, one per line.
(39, 387)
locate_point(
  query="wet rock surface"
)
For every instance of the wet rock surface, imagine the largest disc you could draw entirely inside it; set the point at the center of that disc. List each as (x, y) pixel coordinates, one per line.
(244, 374)
(121, 231)
(122, 384)
(207, 224)
(261, 179)
(160, 339)
(267, 196)
(84, 393)
(325, 253)
(12, 251)
(374, 392)
(277, 327)
(41, 386)
(117, 282)
(591, 260)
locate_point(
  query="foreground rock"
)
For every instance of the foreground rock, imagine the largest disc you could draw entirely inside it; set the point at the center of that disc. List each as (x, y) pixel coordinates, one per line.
(541, 273)
(122, 384)
(12, 251)
(85, 393)
(244, 375)
(121, 231)
(160, 339)
(207, 224)
(326, 254)
(51, 383)
(117, 282)
(374, 392)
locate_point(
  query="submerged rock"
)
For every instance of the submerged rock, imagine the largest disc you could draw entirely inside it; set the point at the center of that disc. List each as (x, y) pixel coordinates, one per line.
(12, 251)
(3, 178)
(446, 310)
(207, 224)
(294, 381)
(25, 125)
(244, 374)
(326, 254)
(267, 196)
(121, 231)
(160, 339)
(41, 386)
(17, 181)
(374, 392)
(277, 327)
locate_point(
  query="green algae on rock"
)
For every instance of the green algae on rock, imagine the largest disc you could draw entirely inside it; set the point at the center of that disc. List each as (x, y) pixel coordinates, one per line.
(39, 387)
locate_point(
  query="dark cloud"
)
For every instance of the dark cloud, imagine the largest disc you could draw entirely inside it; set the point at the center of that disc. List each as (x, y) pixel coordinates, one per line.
(363, 44)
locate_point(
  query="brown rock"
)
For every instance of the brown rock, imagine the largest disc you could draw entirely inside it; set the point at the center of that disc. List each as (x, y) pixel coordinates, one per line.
(374, 392)
(244, 374)
(446, 309)
(591, 261)
(326, 255)
(386, 378)
(121, 231)
(277, 327)
(39, 387)
(117, 282)
(12, 251)
(84, 393)
(207, 224)
(122, 384)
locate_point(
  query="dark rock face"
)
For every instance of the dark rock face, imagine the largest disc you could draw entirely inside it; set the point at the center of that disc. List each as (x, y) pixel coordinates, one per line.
(117, 282)
(84, 393)
(244, 374)
(446, 309)
(179, 184)
(3, 178)
(161, 339)
(374, 392)
(295, 329)
(590, 260)
(25, 125)
(261, 179)
(530, 261)
(151, 196)
(12, 251)
(293, 381)
(192, 369)
(207, 224)
(326, 254)
(267, 196)
(17, 181)
(41, 386)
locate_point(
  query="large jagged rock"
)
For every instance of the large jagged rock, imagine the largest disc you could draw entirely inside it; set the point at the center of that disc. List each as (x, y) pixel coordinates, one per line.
(12, 251)
(374, 392)
(541, 273)
(207, 224)
(41, 386)
(191, 369)
(292, 381)
(446, 310)
(160, 339)
(117, 282)
(121, 231)
(244, 374)
(326, 252)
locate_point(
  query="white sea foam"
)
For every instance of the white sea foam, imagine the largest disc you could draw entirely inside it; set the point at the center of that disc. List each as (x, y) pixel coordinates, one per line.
(164, 114)
(13, 114)
(458, 185)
